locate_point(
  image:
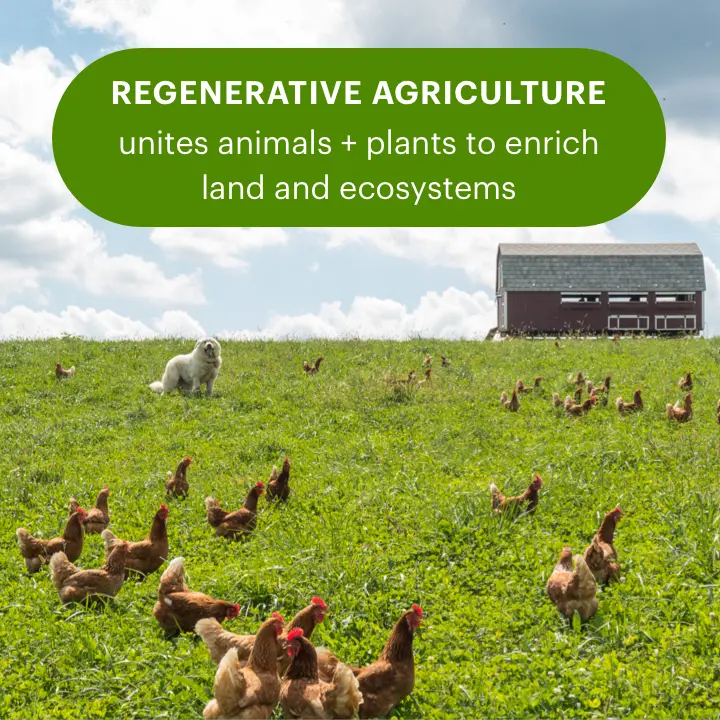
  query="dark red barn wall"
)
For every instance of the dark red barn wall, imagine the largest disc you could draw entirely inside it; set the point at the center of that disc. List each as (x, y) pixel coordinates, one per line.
(544, 312)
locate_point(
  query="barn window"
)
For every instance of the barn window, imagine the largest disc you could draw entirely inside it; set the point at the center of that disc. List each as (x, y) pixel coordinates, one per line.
(577, 297)
(675, 297)
(628, 322)
(675, 322)
(628, 297)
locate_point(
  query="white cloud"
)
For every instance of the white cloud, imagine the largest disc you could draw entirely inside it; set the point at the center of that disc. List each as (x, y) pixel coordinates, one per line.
(221, 23)
(689, 182)
(712, 298)
(30, 186)
(31, 84)
(452, 314)
(224, 247)
(17, 281)
(41, 239)
(470, 249)
(22, 322)
(175, 323)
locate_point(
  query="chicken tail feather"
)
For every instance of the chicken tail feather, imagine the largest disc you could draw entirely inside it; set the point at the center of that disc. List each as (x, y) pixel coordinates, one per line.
(229, 687)
(217, 640)
(173, 579)
(214, 513)
(495, 495)
(60, 569)
(345, 696)
(585, 577)
(109, 540)
(25, 542)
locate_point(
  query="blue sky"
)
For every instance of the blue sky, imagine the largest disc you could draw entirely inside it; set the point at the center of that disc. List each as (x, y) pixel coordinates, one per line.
(69, 271)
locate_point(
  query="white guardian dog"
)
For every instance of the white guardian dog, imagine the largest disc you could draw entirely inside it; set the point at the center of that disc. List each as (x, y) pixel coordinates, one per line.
(189, 372)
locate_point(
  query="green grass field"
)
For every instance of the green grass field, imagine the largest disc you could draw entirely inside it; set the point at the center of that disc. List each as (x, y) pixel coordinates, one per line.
(390, 506)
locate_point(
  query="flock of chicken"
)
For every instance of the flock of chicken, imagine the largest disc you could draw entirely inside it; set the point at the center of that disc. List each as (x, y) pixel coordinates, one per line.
(573, 583)
(575, 406)
(278, 664)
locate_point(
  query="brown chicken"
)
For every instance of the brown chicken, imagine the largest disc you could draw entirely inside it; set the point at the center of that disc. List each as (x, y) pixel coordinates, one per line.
(252, 691)
(278, 488)
(680, 413)
(631, 407)
(556, 401)
(428, 359)
(391, 678)
(304, 695)
(177, 484)
(36, 552)
(527, 500)
(582, 409)
(148, 555)
(600, 555)
(76, 585)
(513, 405)
(685, 382)
(74, 505)
(219, 641)
(600, 389)
(401, 382)
(426, 379)
(578, 394)
(444, 361)
(572, 589)
(238, 523)
(557, 344)
(522, 388)
(61, 372)
(178, 608)
(578, 379)
(98, 518)
(315, 367)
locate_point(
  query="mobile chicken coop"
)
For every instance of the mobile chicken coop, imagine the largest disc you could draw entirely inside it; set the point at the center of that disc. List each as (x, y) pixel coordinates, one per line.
(595, 288)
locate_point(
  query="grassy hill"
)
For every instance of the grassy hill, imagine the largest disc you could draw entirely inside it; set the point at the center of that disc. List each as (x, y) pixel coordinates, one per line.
(390, 506)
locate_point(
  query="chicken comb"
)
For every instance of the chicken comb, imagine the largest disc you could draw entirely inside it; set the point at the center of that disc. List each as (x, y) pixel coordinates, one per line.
(417, 609)
(164, 507)
(260, 484)
(81, 510)
(295, 633)
(538, 478)
(319, 602)
(617, 509)
(188, 460)
(277, 616)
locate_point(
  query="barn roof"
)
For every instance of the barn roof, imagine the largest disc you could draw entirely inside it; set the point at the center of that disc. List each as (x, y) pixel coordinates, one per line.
(614, 267)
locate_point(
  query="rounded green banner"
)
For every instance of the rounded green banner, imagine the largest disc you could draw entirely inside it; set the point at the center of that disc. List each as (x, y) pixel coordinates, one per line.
(360, 137)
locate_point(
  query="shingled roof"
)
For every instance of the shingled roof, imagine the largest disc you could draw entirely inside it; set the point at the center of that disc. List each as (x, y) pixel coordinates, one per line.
(614, 267)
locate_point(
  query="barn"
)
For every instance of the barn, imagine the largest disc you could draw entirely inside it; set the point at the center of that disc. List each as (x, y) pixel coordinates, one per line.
(596, 288)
